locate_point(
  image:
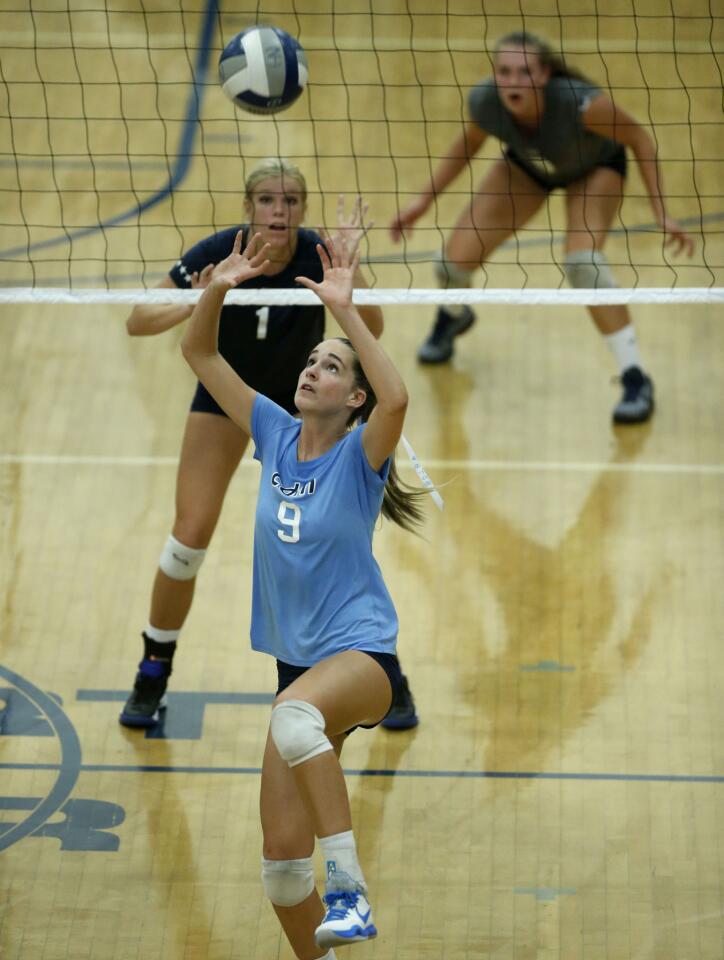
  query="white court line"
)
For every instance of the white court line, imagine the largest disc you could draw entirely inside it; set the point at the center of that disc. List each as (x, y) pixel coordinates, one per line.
(469, 466)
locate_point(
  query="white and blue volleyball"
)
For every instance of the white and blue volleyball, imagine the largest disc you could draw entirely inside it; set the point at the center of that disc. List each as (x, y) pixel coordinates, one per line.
(263, 70)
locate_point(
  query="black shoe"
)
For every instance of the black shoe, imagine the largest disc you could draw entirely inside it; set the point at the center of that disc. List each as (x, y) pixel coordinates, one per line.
(402, 715)
(438, 348)
(148, 698)
(637, 403)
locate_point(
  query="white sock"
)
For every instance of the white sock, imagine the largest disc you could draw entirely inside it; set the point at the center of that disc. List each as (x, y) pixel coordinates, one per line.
(624, 346)
(340, 856)
(161, 636)
(329, 956)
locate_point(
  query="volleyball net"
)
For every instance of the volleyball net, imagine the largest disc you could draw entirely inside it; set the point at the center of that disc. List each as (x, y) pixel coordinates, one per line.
(119, 150)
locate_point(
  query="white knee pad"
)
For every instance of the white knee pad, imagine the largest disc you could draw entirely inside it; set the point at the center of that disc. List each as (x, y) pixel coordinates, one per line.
(450, 275)
(297, 729)
(180, 562)
(287, 882)
(589, 270)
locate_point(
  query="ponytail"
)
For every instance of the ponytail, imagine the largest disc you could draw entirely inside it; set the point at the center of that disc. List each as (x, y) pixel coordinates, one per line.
(401, 502)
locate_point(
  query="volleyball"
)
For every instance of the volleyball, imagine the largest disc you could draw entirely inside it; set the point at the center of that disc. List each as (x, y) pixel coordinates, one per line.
(263, 70)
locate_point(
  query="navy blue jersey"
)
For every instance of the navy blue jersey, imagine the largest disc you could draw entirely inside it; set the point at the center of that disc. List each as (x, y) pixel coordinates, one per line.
(267, 346)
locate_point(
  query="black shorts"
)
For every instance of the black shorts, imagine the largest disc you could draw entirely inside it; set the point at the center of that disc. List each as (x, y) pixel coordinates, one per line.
(617, 162)
(287, 673)
(203, 402)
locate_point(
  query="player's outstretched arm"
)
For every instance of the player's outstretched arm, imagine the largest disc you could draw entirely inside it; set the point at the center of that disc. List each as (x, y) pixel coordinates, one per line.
(353, 228)
(200, 341)
(384, 427)
(148, 319)
(603, 117)
(455, 160)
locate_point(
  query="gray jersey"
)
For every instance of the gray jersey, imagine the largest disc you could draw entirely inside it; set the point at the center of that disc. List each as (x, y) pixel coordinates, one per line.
(561, 150)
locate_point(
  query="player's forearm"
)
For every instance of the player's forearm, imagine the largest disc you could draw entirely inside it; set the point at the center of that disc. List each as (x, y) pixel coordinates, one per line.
(200, 339)
(644, 151)
(383, 376)
(443, 175)
(455, 160)
(373, 319)
(147, 320)
(372, 315)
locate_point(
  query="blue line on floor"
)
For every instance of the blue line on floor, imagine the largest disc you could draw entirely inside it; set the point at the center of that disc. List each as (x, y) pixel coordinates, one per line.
(436, 774)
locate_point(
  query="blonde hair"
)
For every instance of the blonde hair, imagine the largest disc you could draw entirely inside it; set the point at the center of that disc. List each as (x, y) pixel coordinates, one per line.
(274, 167)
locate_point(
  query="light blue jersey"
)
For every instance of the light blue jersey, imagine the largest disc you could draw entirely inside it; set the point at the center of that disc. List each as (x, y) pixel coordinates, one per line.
(317, 587)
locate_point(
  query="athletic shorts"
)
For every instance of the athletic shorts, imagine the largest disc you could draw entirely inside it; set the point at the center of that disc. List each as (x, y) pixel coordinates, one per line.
(203, 402)
(287, 674)
(617, 162)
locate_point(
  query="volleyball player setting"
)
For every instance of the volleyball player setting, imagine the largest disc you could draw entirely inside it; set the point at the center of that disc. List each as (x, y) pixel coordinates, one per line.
(210, 749)
(263, 70)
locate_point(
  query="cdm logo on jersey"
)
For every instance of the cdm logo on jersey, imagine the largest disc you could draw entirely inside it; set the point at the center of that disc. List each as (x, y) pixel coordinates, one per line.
(297, 489)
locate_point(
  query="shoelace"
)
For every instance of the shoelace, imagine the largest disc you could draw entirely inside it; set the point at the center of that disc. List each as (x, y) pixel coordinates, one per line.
(348, 899)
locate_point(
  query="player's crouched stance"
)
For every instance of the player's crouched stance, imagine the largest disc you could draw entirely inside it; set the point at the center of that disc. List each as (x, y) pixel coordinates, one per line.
(320, 605)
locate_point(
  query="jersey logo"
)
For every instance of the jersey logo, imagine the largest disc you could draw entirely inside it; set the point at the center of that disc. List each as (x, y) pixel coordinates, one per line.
(297, 489)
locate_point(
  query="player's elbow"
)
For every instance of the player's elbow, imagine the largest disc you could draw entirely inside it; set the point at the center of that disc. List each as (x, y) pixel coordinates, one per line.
(134, 326)
(396, 402)
(189, 353)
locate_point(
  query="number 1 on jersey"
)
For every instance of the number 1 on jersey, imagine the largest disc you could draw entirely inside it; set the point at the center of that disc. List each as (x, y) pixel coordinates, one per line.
(261, 327)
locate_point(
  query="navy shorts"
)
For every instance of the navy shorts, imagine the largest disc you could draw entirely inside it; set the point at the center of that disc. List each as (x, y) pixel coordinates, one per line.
(203, 402)
(287, 673)
(617, 162)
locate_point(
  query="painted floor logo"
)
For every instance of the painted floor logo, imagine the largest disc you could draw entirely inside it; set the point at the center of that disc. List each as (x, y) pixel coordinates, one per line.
(26, 711)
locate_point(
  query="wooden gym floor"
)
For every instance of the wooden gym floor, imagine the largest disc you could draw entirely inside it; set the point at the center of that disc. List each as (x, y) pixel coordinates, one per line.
(561, 621)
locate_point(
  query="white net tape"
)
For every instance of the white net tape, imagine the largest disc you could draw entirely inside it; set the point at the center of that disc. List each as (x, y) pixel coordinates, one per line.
(390, 296)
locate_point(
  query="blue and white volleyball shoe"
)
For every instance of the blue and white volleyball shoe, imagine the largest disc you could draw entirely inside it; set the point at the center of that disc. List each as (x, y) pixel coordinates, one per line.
(349, 916)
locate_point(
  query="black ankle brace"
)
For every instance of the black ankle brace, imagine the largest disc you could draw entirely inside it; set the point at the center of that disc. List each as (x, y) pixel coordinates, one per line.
(153, 650)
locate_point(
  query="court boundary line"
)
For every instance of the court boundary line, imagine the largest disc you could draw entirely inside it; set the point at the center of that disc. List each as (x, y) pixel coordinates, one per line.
(386, 772)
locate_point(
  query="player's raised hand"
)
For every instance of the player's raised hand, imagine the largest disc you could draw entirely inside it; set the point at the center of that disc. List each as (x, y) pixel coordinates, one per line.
(352, 227)
(241, 265)
(339, 264)
(200, 280)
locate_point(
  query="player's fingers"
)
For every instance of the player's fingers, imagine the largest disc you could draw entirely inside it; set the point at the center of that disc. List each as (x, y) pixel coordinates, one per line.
(248, 251)
(261, 253)
(675, 241)
(261, 267)
(306, 282)
(324, 256)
